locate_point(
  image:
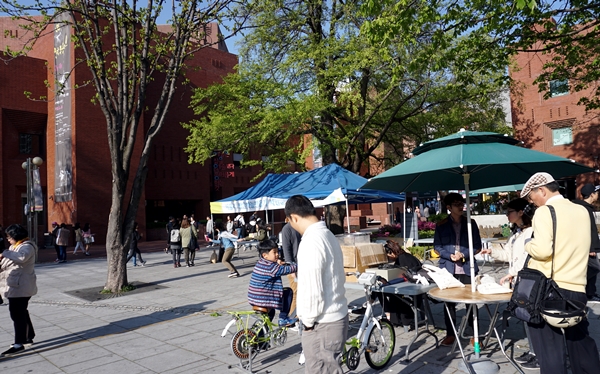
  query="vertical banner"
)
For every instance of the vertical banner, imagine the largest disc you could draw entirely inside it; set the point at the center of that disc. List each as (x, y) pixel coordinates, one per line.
(62, 111)
(38, 198)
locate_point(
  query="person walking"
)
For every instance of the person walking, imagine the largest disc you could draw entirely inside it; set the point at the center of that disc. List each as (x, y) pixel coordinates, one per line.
(175, 243)
(589, 193)
(229, 226)
(189, 240)
(169, 227)
(451, 241)
(88, 238)
(18, 285)
(134, 250)
(322, 306)
(63, 242)
(210, 228)
(54, 234)
(78, 238)
(290, 241)
(568, 268)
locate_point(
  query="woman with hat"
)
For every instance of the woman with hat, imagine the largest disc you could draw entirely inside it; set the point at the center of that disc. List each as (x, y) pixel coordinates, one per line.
(519, 213)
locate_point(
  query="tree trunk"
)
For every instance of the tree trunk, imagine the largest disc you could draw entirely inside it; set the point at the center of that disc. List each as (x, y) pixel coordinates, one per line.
(334, 217)
(115, 249)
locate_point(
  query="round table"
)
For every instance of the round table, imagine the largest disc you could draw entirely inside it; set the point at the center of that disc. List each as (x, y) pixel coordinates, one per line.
(466, 296)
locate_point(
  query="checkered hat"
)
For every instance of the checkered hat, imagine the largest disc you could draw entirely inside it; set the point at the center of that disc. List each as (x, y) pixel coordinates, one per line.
(536, 180)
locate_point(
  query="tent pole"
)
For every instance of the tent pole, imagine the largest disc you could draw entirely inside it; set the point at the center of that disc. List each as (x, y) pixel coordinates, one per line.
(348, 215)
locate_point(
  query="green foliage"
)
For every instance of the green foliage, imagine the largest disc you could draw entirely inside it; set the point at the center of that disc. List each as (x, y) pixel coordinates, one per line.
(426, 234)
(418, 251)
(437, 217)
(215, 314)
(319, 76)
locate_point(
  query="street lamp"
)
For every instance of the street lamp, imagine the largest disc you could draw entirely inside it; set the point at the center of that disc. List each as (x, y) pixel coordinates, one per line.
(29, 166)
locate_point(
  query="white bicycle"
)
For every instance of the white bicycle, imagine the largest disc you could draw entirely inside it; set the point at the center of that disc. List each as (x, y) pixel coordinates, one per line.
(376, 337)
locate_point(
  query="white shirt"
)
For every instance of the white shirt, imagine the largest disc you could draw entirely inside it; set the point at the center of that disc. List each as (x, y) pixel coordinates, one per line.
(321, 277)
(240, 219)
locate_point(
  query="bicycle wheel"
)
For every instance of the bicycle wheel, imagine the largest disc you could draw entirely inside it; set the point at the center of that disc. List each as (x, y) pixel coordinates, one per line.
(380, 345)
(240, 344)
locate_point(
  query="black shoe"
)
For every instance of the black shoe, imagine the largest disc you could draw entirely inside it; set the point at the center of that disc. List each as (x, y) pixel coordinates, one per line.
(28, 343)
(525, 357)
(532, 364)
(13, 351)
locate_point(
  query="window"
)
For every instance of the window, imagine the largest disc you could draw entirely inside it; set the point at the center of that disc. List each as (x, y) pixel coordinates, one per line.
(237, 159)
(559, 87)
(562, 136)
(26, 144)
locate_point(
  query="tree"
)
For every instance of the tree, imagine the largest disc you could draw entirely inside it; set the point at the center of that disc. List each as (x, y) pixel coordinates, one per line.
(314, 74)
(125, 52)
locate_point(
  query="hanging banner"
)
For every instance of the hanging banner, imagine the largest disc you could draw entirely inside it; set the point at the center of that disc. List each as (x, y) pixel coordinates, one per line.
(38, 198)
(62, 111)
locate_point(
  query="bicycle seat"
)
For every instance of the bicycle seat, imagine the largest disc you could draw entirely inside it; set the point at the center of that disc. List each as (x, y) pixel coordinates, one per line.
(260, 309)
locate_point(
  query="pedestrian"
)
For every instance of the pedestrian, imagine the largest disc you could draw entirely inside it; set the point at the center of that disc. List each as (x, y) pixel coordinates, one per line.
(451, 241)
(568, 268)
(290, 241)
(88, 238)
(54, 234)
(589, 193)
(519, 213)
(239, 225)
(134, 250)
(63, 242)
(398, 216)
(321, 306)
(227, 240)
(18, 285)
(169, 228)
(229, 226)
(189, 240)
(209, 228)
(426, 212)
(266, 289)
(78, 238)
(175, 243)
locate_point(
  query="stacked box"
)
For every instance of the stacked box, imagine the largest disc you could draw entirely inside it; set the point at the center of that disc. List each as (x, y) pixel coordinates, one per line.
(361, 256)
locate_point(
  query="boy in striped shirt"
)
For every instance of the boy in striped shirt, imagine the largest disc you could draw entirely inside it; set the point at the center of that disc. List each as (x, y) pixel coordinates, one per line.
(266, 289)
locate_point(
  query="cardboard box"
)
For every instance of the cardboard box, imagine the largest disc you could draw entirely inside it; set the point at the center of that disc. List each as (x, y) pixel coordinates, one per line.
(362, 256)
(388, 274)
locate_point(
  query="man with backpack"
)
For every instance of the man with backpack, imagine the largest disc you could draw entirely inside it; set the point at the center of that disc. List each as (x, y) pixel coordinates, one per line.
(169, 227)
(567, 266)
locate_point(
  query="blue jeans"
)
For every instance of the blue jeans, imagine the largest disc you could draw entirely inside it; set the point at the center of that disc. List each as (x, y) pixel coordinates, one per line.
(62, 252)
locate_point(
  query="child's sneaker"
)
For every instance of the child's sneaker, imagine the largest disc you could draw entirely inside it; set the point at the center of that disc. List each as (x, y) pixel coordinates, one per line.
(287, 321)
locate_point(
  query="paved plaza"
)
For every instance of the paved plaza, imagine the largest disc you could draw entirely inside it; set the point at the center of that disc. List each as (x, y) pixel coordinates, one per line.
(173, 325)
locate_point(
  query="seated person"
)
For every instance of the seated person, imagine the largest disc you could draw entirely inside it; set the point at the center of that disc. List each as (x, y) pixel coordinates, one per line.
(399, 312)
(266, 289)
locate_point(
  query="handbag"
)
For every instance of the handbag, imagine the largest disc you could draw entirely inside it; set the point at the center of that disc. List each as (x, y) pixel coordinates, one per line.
(193, 240)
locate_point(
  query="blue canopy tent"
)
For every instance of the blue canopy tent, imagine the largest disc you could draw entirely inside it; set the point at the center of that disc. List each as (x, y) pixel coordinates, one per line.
(328, 185)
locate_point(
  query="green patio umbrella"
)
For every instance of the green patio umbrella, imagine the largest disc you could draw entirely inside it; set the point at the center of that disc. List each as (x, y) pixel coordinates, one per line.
(508, 188)
(471, 160)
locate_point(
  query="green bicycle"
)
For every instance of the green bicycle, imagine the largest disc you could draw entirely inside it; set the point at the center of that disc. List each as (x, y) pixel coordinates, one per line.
(255, 333)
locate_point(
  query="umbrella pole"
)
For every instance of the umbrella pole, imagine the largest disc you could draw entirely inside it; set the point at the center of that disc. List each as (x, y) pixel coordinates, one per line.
(483, 366)
(404, 223)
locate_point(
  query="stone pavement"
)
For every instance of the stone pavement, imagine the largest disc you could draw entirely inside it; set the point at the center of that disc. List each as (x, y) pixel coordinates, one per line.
(176, 328)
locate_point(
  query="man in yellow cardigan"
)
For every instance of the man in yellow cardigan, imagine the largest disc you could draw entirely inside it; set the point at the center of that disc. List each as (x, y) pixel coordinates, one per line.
(572, 246)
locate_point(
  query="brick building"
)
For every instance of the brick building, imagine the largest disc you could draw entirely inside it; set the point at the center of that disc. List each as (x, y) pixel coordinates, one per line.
(556, 125)
(28, 129)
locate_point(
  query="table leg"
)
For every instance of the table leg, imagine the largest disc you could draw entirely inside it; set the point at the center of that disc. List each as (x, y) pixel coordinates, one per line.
(501, 344)
(415, 309)
(462, 353)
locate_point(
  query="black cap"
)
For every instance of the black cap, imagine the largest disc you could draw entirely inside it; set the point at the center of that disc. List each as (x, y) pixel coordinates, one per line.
(588, 189)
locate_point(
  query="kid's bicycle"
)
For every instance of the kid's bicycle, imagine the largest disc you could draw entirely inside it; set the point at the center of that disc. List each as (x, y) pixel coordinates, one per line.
(376, 336)
(255, 333)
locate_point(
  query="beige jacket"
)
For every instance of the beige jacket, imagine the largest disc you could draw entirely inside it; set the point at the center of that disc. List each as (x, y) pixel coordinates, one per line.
(573, 237)
(17, 274)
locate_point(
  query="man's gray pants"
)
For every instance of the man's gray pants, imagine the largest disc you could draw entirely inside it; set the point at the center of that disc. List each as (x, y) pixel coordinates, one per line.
(323, 345)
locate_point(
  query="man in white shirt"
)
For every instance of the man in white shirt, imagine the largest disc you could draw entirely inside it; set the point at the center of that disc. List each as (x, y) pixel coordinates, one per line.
(321, 306)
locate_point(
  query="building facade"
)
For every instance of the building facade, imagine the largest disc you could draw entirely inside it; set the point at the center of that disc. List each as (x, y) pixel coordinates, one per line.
(30, 128)
(555, 124)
